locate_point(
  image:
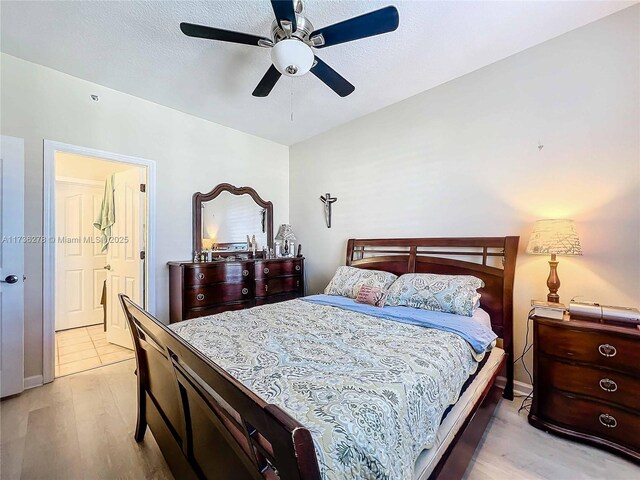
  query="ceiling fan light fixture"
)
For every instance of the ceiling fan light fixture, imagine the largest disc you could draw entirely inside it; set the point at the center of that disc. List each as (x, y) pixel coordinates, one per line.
(292, 57)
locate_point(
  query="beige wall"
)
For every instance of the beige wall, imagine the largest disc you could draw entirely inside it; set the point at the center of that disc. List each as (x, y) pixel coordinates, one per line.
(191, 155)
(70, 165)
(462, 160)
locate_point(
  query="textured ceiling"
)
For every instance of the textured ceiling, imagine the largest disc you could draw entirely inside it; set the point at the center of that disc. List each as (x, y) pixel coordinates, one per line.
(136, 47)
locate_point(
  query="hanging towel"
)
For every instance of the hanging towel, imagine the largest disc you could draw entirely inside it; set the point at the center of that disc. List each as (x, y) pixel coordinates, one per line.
(107, 216)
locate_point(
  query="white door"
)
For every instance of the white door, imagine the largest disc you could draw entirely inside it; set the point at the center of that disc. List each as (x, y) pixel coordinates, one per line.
(80, 262)
(11, 265)
(125, 274)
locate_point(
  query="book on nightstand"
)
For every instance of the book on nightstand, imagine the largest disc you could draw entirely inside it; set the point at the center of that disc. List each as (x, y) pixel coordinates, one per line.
(548, 309)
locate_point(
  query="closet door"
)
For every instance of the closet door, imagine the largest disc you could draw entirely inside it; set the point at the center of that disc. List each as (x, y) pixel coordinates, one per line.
(80, 272)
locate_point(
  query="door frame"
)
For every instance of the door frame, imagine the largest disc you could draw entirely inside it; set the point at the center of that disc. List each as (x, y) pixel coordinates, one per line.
(48, 284)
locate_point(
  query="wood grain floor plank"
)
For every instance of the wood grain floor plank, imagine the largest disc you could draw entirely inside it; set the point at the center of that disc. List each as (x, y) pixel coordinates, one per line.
(51, 447)
(511, 448)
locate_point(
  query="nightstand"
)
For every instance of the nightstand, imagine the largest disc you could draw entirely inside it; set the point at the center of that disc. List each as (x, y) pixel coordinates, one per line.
(587, 383)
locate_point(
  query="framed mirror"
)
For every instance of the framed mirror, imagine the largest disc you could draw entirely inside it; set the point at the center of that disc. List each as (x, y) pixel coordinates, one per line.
(224, 217)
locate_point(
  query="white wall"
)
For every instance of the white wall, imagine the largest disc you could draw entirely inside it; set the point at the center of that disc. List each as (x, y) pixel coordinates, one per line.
(462, 160)
(192, 155)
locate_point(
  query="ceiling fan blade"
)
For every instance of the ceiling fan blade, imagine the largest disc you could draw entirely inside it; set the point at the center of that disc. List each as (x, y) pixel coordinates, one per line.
(211, 33)
(283, 10)
(332, 79)
(367, 25)
(267, 83)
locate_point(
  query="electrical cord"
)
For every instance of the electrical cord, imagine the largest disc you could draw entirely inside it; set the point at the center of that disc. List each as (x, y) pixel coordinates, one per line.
(527, 400)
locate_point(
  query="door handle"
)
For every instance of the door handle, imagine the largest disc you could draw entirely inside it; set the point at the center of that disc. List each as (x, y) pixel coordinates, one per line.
(10, 279)
(107, 267)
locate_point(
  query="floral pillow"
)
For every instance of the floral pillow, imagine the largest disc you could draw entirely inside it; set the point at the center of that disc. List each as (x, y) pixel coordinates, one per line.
(372, 296)
(442, 293)
(347, 281)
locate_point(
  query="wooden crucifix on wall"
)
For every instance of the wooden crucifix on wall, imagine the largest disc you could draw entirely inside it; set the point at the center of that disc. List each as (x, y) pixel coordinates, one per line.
(327, 200)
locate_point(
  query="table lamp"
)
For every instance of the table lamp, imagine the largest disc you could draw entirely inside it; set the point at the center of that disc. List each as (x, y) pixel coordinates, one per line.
(554, 237)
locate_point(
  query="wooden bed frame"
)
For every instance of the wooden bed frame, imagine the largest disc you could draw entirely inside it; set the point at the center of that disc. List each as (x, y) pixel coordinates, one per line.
(209, 425)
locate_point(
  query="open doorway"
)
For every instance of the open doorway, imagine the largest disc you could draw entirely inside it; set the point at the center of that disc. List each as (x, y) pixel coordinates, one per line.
(99, 231)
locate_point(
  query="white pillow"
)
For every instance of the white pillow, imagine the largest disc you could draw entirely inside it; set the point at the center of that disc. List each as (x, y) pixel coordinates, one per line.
(347, 281)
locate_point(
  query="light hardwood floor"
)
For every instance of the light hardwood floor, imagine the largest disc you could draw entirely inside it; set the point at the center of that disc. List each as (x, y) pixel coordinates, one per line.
(81, 426)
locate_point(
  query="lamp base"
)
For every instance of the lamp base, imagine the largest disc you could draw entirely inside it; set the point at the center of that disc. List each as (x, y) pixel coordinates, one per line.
(553, 282)
(553, 298)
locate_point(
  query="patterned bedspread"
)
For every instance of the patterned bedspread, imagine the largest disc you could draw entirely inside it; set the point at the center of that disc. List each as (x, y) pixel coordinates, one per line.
(371, 391)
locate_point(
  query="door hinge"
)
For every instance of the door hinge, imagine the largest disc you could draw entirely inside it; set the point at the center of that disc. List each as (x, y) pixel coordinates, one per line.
(143, 255)
(143, 187)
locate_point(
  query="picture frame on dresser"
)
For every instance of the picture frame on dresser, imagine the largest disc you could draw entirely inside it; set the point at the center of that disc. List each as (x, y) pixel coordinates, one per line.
(586, 383)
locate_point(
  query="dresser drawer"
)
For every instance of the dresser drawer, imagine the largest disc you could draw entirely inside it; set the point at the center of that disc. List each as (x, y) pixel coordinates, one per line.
(604, 349)
(203, 312)
(217, 273)
(277, 268)
(200, 297)
(277, 298)
(277, 286)
(593, 418)
(607, 385)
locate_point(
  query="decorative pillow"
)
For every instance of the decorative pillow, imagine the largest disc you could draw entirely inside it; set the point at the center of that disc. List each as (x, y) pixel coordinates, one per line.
(442, 293)
(347, 281)
(371, 296)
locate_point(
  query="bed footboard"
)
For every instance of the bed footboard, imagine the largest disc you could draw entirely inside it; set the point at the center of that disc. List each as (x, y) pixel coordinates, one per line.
(207, 424)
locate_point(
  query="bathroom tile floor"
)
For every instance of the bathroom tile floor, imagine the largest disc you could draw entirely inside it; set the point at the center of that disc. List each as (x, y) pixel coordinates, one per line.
(84, 348)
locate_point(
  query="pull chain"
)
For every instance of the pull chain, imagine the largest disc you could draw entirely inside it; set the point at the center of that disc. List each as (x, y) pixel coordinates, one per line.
(291, 99)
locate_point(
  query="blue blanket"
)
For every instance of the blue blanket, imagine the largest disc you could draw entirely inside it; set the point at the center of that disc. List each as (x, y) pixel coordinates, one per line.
(476, 334)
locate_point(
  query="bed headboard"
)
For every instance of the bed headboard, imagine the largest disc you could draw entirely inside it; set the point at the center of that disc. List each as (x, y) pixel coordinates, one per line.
(492, 259)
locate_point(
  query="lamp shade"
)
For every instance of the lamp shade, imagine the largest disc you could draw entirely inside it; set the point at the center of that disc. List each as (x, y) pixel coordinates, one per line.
(285, 233)
(554, 236)
(292, 57)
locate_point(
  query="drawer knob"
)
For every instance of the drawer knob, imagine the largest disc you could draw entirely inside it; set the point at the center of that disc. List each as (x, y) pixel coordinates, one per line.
(245, 291)
(297, 268)
(608, 385)
(266, 288)
(607, 420)
(245, 273)
(201, 276)
(200, 296)
(607, 350)
(266, 270)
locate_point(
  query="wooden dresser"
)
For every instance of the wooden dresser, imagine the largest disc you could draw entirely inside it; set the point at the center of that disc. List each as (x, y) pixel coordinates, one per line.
(199, 289)
(587, 383)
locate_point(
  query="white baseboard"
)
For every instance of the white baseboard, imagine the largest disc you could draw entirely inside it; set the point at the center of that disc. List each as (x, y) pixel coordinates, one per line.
(31, 382)
(519, 388)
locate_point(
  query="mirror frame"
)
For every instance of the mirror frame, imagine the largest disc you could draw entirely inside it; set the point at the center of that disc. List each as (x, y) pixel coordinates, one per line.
(199, 197)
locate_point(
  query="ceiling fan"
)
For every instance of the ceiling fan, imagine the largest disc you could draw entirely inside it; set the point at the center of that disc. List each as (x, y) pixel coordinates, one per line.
(293, 38)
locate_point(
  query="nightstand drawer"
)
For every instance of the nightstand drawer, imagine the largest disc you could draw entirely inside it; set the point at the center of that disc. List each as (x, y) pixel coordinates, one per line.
(602, 349)
(606, 385)
(593, 418)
